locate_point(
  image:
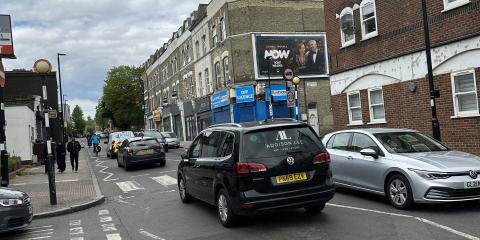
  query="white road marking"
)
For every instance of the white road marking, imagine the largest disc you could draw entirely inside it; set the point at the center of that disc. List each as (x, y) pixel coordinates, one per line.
(114, 236)
(108, 227)
(103, 212)
(77, 238)
(128, 186)
(76, 231)
(167, 171)
(141, 175)
(423, 220)
(42, 237)
(75, 222)
(39, 231)
(151, 235)
(105, 219)
(57, 181)
(109, 176)
(165, 180)
(46, 226)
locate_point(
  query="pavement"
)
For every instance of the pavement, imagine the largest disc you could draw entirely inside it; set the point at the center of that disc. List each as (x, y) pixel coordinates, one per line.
(75, 190)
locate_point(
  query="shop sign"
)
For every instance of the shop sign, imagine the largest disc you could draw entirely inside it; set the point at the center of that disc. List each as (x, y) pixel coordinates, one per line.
(279, 92)
(245, 94)
(220, 99)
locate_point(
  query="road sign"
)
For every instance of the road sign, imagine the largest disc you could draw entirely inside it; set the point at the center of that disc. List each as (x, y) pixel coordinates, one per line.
(290, 99)
(52, 113)
(2, 75)
(288, 74)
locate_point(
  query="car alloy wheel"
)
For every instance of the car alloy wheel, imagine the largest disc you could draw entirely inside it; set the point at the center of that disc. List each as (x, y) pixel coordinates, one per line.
(399, 192)
(225, 214)
(184, 196)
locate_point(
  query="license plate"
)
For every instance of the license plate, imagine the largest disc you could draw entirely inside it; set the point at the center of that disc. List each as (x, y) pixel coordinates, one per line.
(472, 184)
(291, 178)
(145, 152)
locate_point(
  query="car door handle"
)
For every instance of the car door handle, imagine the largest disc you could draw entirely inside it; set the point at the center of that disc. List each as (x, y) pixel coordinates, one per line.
(349, 158)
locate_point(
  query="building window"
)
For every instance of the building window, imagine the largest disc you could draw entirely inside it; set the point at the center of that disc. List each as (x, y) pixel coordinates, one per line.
(214, 35)
(354, 108)
(226, 71)
(200, 84)
(347, 27)
(204, 44)
(368, 19)
(451, 4)
(377, 109)
(207, 81)
(197, 49)
(222, 29)
(218, 75)
(464, 92)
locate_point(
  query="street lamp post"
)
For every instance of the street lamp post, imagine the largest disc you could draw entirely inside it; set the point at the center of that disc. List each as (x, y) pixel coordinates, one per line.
(3, 145)
(61, 98)
(296, 81)
(43, 67)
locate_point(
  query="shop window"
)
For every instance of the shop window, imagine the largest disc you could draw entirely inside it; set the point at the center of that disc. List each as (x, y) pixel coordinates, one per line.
(376, 105)
(354, 108)
(347, 27)
(464, 92)
(368, 18)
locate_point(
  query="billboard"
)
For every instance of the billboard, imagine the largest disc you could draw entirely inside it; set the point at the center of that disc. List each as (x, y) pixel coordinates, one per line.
(6, 42)
(305, 53)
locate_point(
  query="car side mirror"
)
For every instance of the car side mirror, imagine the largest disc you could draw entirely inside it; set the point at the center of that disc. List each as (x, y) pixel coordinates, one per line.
(369, 152)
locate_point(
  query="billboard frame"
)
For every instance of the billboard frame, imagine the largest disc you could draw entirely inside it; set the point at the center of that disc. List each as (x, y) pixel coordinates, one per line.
(11, 56)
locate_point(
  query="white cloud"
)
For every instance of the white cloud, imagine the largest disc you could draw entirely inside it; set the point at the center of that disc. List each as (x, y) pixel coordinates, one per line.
(95, 34)
(87, 106)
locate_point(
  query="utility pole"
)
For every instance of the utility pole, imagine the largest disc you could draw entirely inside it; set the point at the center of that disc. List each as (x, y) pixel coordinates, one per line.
(433, 93)
(3, 145)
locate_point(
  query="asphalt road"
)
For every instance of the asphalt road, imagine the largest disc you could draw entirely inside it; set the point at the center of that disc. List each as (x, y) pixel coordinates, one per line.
(144, 204)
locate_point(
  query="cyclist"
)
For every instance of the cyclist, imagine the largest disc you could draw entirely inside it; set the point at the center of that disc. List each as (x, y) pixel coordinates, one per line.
(95, 141)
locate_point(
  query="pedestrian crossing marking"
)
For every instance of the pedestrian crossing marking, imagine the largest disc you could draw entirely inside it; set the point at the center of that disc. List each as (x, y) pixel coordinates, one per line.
(128, 186)
(114, 236)
(77, 238)
(105, 219)
(103, 212)
(108, 227)
(76, 230)
(165, 180)
(75, 222)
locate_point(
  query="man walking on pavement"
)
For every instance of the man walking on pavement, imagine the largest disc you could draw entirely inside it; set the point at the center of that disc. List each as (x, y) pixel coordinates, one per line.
(73, 147)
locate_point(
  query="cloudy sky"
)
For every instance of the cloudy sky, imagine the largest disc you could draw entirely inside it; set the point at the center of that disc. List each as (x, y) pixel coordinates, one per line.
(95, 34)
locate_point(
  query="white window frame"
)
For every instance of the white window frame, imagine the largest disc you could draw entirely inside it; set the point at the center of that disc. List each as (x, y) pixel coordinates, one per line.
(449, 6)
(214, 36)
(218, 74)
(222, 28)
(454, 95)
(226, 70)
(370, 107)
(346, 11)
(350, 116)
(365, 35)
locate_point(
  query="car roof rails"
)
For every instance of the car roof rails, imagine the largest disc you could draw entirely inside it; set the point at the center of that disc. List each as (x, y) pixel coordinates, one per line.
(226, 125)
(285, 119)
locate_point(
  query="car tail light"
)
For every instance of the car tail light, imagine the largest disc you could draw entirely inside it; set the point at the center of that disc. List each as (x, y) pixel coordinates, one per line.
(129, 149)
(322, 158)
(243, 168)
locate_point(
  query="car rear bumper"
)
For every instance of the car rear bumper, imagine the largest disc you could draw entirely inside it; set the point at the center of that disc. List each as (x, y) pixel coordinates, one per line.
(134, 160)
(252, 202)
(13, 218)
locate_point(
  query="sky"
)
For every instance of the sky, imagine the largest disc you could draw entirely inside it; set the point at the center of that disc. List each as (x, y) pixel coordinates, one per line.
(95, 35)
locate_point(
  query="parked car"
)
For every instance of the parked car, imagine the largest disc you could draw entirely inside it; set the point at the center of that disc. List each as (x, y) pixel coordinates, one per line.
(15, 210)
(140, 150)
(172, 140)
(404, 165)
(256, 167)
(115, 139)
(156, 134)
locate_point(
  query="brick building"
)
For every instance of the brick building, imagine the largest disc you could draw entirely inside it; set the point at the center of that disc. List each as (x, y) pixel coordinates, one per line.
(214, 49)
(378, 66)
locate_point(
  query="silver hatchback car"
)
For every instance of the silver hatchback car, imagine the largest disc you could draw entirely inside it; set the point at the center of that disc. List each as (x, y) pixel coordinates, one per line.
(404, 165)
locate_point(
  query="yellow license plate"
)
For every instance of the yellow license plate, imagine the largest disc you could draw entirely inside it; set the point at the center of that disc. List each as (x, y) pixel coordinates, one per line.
(145, 152)
(290, 178)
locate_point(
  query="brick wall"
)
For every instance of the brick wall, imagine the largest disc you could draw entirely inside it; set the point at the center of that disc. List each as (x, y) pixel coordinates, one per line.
(404, 109)
(400, 30)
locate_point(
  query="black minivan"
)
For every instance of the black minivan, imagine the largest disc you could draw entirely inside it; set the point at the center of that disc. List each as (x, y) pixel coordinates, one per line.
(256, 167)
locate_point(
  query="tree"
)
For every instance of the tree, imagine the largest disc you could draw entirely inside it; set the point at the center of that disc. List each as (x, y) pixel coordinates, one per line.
(122, 98)
(102, 114)
(90, 125)
(77, 118)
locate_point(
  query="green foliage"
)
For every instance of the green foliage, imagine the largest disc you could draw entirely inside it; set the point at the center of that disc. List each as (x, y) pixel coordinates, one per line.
(14, 162)
(122, 98)
(77, 118)
(69, 129)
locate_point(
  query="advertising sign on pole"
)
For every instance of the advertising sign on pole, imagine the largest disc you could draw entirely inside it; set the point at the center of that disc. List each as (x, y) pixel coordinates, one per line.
(6, 41)
(290, 98)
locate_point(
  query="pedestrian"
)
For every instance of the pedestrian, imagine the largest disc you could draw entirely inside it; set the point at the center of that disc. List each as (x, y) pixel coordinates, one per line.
(61, 157)
(73, 147)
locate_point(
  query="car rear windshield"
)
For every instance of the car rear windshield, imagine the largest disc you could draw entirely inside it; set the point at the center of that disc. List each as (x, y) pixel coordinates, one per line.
(280, 142)
(408, 142)
(169, 135)
(143, 143)
(153, 134)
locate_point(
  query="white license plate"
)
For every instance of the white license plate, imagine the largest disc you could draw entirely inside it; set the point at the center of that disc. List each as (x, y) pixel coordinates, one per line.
(472, 184)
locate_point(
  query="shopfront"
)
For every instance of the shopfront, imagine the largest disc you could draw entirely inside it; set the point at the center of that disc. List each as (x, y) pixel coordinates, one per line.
(203, 113)
(157, 119)
(177, 120)
(166, 121)
(190, 126)
(221, 107)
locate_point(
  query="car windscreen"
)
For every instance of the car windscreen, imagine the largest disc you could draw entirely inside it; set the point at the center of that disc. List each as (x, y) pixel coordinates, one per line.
(143, 143)
(169, 135)
(408, 142)
(153, 134)
(280, 142)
